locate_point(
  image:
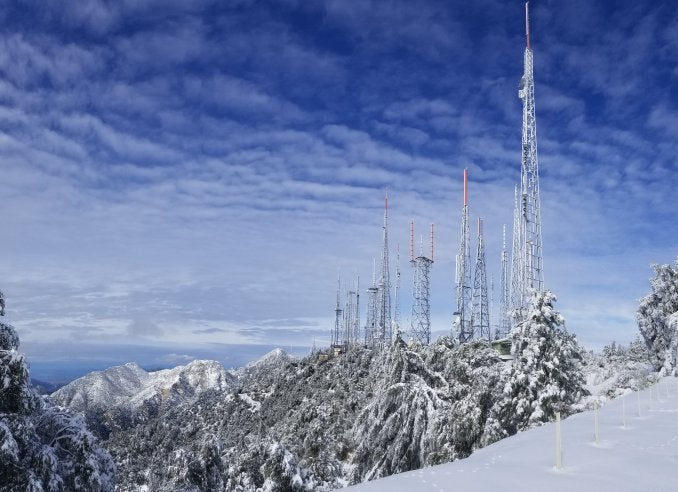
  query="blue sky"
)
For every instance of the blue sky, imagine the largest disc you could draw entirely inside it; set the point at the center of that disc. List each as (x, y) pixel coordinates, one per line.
(185, 179)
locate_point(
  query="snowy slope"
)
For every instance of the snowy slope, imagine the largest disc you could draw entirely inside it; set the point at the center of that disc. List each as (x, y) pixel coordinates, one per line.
(643, 455)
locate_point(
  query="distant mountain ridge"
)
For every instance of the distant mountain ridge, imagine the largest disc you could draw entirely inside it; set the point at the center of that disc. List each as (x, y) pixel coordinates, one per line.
(124, 396)
(130, 385)
(44, 387)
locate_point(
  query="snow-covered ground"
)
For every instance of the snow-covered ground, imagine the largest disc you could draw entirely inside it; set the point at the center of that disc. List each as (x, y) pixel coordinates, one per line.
(641, 455)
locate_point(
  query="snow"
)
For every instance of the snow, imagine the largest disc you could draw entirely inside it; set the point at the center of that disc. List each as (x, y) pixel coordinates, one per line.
(642, 455)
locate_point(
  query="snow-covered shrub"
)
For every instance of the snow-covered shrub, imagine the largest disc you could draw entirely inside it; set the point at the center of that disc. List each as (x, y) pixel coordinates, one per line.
(654, 313)
(43, 447)
(546, 375)
(617, 371)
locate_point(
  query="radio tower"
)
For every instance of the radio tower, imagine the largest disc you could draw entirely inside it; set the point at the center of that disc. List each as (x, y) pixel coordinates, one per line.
(384, 334)
(527, 263)
(463, 328)
(372, 309)
(504, 296)
(351, 318)
(420, 329)
(356, 322)
(481, 310)
(337, 344)
(396, 308)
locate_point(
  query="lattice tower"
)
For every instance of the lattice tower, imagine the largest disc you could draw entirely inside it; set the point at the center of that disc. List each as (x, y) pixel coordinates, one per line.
(420, 327)
(384, 327)
(337, 334)
(463, 328)
(481, 308)
(504, 327)
(372, 320)
(530, 262)
(356, 322)
(349, 317)
(396, 300)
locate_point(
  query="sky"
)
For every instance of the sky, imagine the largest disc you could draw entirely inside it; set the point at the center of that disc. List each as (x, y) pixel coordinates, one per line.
(188, 179)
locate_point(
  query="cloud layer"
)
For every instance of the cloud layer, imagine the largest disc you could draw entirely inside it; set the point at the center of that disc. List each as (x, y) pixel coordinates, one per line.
(192, 175)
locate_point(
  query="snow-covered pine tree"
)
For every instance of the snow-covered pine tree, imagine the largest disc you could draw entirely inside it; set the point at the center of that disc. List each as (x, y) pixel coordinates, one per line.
(546, 375)
(393, 430)
(653, 315)
(43, 447)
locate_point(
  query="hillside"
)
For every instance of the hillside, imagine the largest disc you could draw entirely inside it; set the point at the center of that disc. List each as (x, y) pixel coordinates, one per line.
(323, 422)
(638, 456)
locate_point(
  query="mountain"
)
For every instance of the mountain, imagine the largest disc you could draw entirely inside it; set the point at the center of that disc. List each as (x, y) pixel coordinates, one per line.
(270, 362)
(636, 450)
(124, 396)
(130, 385)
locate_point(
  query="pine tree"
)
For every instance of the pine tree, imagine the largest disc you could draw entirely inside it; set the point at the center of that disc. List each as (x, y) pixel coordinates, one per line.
(546, 374)
(43, 447)
(653, 316)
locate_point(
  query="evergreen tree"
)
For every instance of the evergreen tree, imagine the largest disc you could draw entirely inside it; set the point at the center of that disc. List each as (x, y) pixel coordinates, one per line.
(546, 374)
(43, 447)
(653, 316)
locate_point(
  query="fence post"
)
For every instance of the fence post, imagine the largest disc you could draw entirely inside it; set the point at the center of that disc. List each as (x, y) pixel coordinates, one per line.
(595, 421)
(638, 400)
(559, 454)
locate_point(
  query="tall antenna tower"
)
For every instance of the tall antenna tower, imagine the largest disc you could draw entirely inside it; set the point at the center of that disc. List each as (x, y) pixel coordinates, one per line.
(528, 266)
(504, 296)
(396, 308)
(372, 320)
(463, 327)
(356, 321)
(481, 309)
(350, 317)
(420, 328)
(338, 318)
(517, 272)
(385, 329)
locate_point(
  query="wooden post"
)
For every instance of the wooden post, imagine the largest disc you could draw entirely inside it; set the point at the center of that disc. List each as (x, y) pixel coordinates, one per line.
(638, 400)
(559, 454)
(595, 421)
